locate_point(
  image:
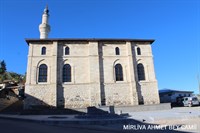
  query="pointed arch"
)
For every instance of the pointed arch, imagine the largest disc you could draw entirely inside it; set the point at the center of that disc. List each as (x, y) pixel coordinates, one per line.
(140, 72)
(118, 72)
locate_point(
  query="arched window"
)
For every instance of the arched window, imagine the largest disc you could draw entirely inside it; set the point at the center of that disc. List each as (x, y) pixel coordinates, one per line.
(42, 73)
(117, 51)
(140, 71)
(138, 51)
(43, 52)
(66, 50)
(118, 72)
(66, 73)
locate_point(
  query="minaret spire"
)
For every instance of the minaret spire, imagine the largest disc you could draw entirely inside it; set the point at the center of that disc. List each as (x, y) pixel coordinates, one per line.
(44, 27)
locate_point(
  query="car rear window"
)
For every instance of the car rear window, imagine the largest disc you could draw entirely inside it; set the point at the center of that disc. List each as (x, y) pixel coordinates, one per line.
(195, 99)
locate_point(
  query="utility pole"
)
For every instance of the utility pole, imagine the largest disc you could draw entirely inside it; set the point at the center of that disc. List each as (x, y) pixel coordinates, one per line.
(198, 82)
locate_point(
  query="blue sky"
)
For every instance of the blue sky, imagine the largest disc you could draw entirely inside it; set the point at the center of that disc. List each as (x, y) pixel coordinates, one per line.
(174, 24)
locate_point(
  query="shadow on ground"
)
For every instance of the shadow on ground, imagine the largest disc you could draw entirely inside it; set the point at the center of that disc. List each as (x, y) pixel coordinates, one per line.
(99, 119)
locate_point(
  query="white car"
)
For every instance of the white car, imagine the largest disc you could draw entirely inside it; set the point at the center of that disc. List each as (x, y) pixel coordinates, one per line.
(190, 101)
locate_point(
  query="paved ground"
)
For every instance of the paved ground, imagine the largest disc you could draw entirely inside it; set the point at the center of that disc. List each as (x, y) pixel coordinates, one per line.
(185, 119)
(174, 113)
(175, 120)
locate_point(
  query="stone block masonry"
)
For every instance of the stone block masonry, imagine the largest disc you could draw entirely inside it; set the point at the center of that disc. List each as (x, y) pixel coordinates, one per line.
(92, 73)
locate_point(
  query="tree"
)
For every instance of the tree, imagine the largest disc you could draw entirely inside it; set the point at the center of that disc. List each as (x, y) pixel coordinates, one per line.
(2, 67)
(4, 75)
(23, 78)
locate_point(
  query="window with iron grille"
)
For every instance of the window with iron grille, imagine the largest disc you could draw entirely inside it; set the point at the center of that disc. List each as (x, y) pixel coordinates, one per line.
(140, 71)
(66, 73)
(118, 72)
(42, 73)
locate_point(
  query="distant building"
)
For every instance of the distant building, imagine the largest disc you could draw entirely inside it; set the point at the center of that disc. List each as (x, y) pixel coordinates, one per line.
(75, 73)
(173, 96)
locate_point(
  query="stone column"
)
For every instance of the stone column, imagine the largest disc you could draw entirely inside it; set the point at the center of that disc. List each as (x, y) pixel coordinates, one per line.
(131, 69)
(150, 87)
(54, 73)
(28, 77)
(94, 74)
(29, 65)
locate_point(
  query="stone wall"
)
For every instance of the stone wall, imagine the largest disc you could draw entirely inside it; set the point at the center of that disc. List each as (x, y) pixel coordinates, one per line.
(150, 92)
(93, 76)
(40, 94)
(74, 95)
(118, 94)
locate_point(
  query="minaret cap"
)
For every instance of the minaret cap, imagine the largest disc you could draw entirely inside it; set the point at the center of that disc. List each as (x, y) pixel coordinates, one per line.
(46, 10)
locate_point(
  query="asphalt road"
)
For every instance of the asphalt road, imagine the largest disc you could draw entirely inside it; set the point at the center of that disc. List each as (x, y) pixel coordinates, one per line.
(12, 126)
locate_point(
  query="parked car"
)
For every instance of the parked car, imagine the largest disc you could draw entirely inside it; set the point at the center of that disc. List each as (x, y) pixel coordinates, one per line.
(190, 101)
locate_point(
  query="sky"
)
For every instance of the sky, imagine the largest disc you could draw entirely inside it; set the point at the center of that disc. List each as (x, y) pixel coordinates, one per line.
(174, 24)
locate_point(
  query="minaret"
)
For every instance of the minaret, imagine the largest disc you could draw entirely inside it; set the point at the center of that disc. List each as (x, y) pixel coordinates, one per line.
(44, 27)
